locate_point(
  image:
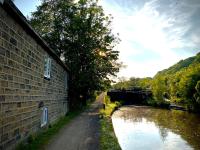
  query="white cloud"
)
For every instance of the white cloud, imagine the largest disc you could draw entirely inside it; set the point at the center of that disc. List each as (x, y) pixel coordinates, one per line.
(147, 30)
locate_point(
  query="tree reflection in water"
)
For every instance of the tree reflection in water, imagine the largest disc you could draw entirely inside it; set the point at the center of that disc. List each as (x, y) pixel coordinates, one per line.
(184, 124)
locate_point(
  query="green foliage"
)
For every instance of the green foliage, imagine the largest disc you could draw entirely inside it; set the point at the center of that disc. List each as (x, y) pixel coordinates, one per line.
(108, 140)
(179, 84)
(197, 94)
(80, 33)
(198, 87)
(30, 139)
(134, 82)
(106, 100)
(178, 66)
(110, 107)
(159, 88)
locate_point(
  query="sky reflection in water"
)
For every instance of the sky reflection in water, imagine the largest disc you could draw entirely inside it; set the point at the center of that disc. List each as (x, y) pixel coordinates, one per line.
(137, 133)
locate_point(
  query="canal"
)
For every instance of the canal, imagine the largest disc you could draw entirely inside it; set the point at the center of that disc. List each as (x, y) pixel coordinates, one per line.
(147, 128)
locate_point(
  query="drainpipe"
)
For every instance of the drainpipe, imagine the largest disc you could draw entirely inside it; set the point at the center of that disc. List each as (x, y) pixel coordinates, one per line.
(2, 1)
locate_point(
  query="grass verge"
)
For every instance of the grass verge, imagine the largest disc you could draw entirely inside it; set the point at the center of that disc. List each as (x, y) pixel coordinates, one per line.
(39, 140)
(108, 140)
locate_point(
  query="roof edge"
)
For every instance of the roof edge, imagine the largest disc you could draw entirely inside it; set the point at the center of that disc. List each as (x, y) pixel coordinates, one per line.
(16, 14)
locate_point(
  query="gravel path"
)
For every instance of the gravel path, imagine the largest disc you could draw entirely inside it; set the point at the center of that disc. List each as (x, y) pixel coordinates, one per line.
(82, 133)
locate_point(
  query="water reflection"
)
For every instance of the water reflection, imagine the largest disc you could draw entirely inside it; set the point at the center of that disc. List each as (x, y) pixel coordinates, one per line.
(143, 128)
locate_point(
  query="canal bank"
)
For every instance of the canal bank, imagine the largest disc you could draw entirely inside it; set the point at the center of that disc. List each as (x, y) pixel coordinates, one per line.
(108, 139)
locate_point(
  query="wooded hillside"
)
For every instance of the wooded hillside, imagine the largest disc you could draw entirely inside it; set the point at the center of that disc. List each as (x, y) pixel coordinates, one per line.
(179, 83)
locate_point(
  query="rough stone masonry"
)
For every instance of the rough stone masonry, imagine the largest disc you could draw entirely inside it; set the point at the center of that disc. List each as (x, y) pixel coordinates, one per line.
(33, 80)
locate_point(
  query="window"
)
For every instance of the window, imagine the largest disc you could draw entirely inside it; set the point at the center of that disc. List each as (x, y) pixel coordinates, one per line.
(66, 81)
(47, 68)
(65, 108)
(44, 116)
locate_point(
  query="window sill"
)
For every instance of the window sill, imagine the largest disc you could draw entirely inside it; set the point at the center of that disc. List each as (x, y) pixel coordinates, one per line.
(43, 125)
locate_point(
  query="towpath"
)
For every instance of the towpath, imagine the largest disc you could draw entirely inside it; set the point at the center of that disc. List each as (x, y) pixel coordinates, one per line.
(82, 133)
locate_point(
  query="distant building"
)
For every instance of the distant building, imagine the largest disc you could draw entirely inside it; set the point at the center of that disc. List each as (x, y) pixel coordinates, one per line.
(33, 80)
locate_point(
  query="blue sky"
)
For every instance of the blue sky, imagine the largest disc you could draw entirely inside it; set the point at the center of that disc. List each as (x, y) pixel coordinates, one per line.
(154, 34)
(27, 6)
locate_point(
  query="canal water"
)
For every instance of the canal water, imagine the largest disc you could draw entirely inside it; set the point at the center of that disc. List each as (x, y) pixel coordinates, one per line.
(147, 128)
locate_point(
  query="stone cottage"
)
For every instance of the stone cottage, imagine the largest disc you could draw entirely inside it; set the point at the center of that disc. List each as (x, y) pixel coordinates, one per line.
(33, 80)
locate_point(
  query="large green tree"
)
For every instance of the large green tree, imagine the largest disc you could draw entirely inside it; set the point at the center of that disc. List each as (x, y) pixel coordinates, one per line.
(80, 33)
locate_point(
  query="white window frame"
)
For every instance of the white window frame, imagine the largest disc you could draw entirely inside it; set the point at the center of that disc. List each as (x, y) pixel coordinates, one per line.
(65, 107)
(44, 116)
(47, 67)
(66, 81)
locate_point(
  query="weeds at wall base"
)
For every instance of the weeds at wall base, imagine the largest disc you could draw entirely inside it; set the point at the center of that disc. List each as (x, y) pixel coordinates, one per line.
(38, 141)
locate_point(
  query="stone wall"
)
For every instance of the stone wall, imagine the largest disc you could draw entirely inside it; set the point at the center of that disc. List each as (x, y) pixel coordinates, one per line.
(23, 89)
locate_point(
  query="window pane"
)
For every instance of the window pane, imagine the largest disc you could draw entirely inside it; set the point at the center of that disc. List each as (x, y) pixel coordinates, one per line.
(47, 68)
(44, 116)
